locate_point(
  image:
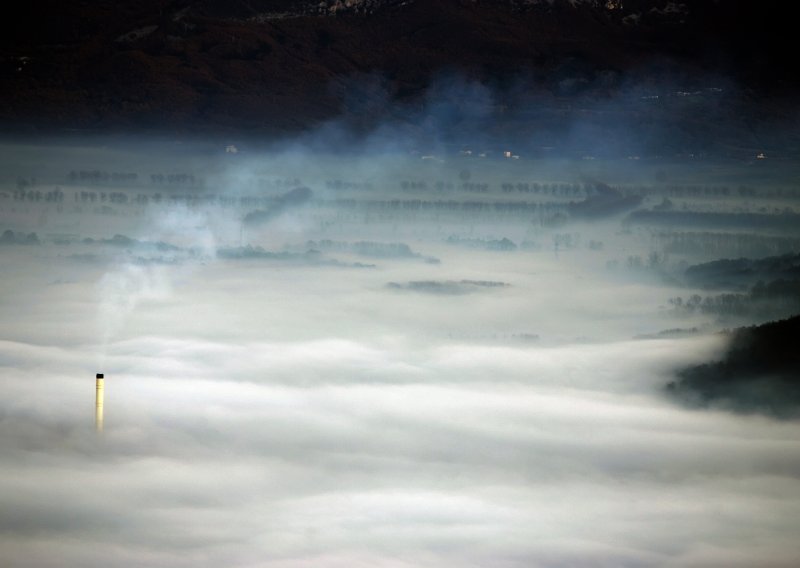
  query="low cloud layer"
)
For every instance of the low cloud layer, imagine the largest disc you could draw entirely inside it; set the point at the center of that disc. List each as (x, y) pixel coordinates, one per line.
(345, 452)
(298, 414)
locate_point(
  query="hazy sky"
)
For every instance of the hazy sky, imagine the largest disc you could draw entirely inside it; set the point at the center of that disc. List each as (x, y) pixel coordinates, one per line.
(294, 413)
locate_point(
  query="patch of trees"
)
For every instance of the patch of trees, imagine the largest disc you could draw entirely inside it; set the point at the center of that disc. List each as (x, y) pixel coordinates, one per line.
(603, 201)
(501, 245)
(517, 207)
(653, 261)
(525, 187)
(368, 248)
(26, 192)
(742, 272)
(764, 300)
(670, 333)
(423, 186)
(710, 191)
(726, 191)
(569, 241)
(441, 186)
(760, 372)
(293, 198)
(124, 241)
(725, 244)
(561, 189)
(715, 220)
(265, 183)
(446, 287)
(257, 252)
(25, 183)
(176, 179)
(473, 187)
(118, 197)
(10, 237)
(523, 337)
(313, 257)
(340, 185)
(698, 190)
(563, 241)
(96, 177)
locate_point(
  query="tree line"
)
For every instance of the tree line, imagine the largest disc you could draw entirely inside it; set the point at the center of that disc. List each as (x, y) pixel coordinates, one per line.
(98, 177)
(777, 298)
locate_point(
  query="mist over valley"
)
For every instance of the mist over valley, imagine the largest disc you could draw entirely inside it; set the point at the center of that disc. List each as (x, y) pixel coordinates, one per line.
(376, 283)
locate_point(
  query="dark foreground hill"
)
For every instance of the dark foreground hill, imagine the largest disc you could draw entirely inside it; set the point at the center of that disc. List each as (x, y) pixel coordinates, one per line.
(760, 372)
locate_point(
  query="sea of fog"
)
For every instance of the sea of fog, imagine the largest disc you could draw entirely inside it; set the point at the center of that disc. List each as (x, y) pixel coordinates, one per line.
(273, 404)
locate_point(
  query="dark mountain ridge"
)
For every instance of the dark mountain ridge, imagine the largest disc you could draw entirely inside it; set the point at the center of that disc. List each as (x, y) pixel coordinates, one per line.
(281, 66)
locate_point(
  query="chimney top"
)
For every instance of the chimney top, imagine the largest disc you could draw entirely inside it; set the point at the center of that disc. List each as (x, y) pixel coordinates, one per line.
(99, 376)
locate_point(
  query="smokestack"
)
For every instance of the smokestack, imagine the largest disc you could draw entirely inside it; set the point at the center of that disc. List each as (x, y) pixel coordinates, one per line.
(98, 402)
